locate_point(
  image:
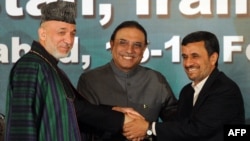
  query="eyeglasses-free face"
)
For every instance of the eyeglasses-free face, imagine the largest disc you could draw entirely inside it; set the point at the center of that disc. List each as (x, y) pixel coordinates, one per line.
(128, 48)
(196, 61)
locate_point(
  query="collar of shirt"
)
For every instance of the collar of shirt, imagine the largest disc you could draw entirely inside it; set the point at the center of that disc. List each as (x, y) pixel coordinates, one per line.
(121, 73)
(37, 47)
(197, 88)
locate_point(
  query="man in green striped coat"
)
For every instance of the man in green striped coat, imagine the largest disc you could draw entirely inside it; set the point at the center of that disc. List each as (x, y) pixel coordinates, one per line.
(40, 98)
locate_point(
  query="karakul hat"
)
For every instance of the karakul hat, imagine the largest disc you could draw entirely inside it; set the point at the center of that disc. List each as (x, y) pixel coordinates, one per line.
(60, 11)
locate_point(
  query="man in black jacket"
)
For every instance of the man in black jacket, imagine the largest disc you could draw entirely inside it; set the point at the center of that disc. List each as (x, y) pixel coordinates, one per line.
(205, 105)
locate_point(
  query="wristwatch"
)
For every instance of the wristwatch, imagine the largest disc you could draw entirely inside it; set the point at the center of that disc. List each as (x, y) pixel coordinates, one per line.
(149, 131)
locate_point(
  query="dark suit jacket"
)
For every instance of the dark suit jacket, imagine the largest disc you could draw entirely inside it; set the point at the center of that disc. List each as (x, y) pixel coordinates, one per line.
(220, 102)
(98, 118)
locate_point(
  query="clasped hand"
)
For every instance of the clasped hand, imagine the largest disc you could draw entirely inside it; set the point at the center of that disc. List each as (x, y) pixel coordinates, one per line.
(135, 125)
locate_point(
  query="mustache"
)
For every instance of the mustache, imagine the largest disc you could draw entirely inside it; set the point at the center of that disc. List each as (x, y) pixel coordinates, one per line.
(66, 45)
(128, 54)
(189, 67)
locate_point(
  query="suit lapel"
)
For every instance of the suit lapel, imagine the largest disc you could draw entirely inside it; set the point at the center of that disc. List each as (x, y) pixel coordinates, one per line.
(205, 89)
(186, 102)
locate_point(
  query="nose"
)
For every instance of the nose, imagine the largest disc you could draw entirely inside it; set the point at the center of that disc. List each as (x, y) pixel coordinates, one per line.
(187, 62)
(69, 39)
(130, 48)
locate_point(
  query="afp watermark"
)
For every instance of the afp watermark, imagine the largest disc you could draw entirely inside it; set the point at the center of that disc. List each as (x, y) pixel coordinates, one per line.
(237, 132)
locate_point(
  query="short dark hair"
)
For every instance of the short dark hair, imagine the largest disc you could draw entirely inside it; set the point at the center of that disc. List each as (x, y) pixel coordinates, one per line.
(126, 24)
(210, 40)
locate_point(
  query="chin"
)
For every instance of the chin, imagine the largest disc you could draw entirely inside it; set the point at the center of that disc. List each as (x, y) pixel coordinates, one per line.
(60, 56)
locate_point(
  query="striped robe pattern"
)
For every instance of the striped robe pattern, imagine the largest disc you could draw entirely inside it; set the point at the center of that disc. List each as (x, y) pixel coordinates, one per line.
(38, 108)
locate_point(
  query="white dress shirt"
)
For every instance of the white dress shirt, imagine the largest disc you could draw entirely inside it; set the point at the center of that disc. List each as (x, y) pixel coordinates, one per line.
(197, 89)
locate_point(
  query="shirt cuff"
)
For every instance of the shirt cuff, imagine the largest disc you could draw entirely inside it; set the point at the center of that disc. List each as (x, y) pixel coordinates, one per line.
(153, 128)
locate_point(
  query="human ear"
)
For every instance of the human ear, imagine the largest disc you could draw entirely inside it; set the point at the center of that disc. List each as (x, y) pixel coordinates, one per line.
(42, 33)
(214, 58)
(111, 44)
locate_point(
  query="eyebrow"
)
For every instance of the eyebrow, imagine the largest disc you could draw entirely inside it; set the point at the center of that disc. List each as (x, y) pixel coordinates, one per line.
(130, 41)
(63, 28)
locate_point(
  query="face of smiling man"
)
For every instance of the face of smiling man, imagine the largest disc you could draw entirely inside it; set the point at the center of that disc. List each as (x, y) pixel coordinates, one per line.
(57, 37)
(127, 48)
(196, 61)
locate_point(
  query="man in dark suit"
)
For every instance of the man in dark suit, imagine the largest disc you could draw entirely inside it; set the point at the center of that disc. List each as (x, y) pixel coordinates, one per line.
(124, 82)
(211, 101)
